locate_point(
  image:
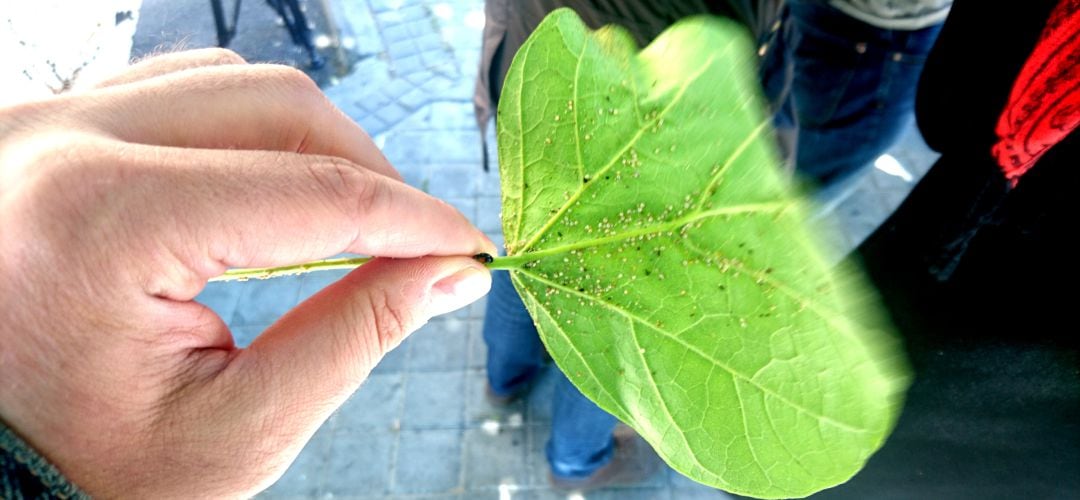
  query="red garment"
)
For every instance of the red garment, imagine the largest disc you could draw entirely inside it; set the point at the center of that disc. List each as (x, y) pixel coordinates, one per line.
(1044, 105)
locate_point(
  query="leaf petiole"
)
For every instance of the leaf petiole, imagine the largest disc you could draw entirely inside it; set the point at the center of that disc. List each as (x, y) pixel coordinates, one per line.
(263, 273)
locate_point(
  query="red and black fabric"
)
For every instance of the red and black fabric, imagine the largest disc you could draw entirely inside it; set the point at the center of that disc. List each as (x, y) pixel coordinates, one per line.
(976, 273)
(1044, 106)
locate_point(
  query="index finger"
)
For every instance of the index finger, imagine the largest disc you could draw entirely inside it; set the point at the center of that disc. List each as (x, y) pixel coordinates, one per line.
(215, 209)
(234, 106)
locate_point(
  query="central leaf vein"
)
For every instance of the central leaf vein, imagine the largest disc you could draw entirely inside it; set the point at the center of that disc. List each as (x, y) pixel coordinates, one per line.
(747, 209)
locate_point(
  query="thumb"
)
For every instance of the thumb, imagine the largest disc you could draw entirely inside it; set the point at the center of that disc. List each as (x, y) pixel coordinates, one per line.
(309, 362)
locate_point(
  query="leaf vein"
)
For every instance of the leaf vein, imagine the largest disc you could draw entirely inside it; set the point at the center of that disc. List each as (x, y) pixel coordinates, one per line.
(750, 208)
(615, 158)
(577, 352)
(659, 396)
(694, 349)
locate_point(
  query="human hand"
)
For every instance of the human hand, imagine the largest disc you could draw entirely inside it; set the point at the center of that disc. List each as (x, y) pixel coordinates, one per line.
(116, 206)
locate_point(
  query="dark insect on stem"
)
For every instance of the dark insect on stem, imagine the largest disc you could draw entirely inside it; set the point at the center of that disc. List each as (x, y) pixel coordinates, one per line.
(484, 258)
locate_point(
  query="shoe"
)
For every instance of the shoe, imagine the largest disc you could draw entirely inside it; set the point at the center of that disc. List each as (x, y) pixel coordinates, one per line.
(633, 462)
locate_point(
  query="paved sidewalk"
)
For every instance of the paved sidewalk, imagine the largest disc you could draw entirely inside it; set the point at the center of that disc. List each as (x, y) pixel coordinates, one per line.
(419, 427)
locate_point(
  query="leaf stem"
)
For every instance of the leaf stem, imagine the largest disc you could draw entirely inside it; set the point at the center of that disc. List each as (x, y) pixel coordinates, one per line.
(263, 273)
(510, 262)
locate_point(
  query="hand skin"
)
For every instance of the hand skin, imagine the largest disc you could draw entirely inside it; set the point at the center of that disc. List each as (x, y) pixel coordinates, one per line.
(116, 206)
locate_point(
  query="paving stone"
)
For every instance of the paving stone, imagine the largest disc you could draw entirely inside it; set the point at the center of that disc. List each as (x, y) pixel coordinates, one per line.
(428, 461)
(498, 240)
(376, 407)
(702, 495)
(396, 89)
(467, 63)
(358, 22)
(420, 78)
(372, 124)
(476, 310)
(488, 181)
(374, 101)
(434, 400)
(460, 88)
(479, 412)
(495, 457)
(456, 147)
(466, 205)
(360, 463)
(389, 17)
(477, 358)
(601, 494)
(244, 335)
(394, 33)
(432, 41)
(419, 27)
(410, 64)
(414, 98)
(441, 345)
(861, 213)
(683, 487)
(221, 297)
(489, 213)
(394, 361)
(440, 83)
(413, 175)
(451, 115)
(535, 457)
(350, 107)
(312, 283)
(392, 114)
(305, 476)
(540, 397)
(401, 49)
(262, 302)
(456, 180)
(385, 5)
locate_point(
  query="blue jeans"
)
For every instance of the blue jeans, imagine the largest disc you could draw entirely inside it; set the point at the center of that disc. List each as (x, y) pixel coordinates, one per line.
(581, 433)
(844, 89)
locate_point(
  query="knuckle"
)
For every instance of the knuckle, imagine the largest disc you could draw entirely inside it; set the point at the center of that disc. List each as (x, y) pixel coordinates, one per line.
(218, 55)
(60, 161)
(292, 80)
(353, 190)
(388, 321)
(348, 186)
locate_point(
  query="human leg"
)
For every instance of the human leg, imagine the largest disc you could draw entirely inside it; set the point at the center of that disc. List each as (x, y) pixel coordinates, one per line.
(514, 348)
(852, 87)
(581, 433)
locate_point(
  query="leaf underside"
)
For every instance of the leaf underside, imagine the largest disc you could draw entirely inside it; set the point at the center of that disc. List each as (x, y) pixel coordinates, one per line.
(669, 268)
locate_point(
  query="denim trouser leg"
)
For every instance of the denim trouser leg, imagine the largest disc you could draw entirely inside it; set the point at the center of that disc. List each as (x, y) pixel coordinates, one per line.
(847, 87)
(581, 433)
(514, 348)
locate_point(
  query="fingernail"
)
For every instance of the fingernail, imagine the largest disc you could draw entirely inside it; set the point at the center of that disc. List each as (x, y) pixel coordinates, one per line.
(459, 289)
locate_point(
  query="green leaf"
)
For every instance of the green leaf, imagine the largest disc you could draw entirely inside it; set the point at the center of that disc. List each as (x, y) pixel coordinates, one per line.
(669, 267)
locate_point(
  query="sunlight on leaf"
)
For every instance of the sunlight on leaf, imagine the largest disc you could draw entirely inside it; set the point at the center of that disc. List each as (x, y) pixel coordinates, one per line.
(670, 269)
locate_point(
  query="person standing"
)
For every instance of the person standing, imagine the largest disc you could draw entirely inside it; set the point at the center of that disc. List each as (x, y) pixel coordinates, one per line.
(841, 76)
